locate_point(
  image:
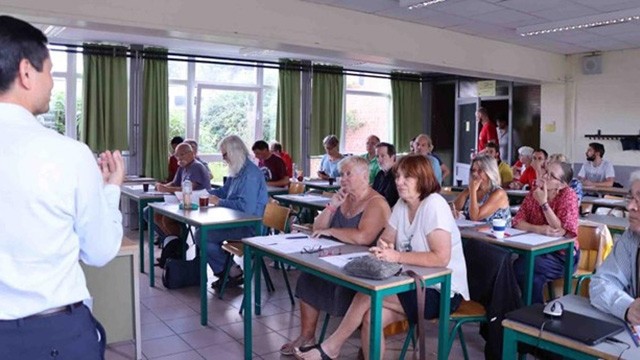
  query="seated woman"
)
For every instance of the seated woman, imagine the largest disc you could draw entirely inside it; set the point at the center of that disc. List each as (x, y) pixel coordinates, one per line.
(484, 199)
(550, 209)
(330, 160)
(424, 233)
(357, 215)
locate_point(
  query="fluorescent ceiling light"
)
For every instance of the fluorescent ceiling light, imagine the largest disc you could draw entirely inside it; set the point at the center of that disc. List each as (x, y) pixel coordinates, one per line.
(249, 51)
(586, 22)
(53, 31)
(416, 4)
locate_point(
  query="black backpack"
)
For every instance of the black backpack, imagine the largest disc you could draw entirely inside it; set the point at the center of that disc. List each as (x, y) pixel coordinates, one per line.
(172, 250)
(180, 273)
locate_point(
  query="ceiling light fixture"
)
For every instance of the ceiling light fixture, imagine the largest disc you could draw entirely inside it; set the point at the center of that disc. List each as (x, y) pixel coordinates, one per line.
(53, 31)
(611, 18)
(412, 4)
(250, 51)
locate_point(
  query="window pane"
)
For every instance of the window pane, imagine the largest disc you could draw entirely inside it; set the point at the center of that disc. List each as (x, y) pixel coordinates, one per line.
(223, 113)
(79, 64)
(177, 110)
(365, 115)
(59, 61)
(366, 83)
(270, 77)
(225, 74)
(178, 70)
(79, 107)
(269, 113)
(55, 118)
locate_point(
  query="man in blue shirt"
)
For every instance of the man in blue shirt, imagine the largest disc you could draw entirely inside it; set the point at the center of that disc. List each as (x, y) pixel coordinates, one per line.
(245, 190)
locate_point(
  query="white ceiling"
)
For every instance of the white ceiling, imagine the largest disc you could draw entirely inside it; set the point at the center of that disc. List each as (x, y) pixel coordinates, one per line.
(492, 19)
(499, 19)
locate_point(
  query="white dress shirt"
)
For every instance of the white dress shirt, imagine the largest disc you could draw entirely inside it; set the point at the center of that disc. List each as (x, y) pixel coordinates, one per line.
(55, 211)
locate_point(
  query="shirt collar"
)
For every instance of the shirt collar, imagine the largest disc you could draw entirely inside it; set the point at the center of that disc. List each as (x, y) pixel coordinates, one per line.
(11, 112)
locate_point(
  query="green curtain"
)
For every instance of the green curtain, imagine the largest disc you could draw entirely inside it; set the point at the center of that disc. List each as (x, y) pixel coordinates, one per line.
(105, 88)
(155, 117)
(288, 120)
(407, 109)
(326, 108)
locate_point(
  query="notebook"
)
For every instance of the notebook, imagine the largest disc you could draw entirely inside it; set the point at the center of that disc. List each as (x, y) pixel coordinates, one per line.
(575, 326)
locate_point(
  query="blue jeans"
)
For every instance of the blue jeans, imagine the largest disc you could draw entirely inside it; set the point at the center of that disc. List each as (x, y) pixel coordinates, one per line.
(216, 257)
(546, 268)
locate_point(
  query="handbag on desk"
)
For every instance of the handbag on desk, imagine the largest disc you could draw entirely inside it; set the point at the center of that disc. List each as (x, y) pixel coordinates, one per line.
(370, 267)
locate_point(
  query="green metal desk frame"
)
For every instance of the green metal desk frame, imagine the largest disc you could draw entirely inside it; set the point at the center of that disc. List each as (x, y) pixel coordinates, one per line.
(512, 337)
(142, 203)
(377, 297)
(204, 229)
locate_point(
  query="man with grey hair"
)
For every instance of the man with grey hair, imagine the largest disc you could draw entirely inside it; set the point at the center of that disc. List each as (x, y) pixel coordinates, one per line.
(245, 190)
(371, 157)
(194, 146)
(615, 288)
(525, 155)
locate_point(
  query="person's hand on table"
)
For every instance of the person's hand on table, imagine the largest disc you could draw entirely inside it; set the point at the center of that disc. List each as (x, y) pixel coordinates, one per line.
(385, 253)
(633, 313)
(214, 200)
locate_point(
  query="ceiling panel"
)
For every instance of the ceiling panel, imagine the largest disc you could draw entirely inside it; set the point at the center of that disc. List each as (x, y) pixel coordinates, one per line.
(609, 5)
(530, 6)
(508, 16)
(468, 8)
(565, 11)
(368, 6)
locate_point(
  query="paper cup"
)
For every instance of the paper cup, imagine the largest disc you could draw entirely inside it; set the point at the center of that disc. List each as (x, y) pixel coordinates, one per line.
(498, 227)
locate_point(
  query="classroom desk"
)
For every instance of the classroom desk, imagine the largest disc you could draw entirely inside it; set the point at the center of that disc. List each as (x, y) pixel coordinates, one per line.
(515, 332)
(135, 193)
(605, 190)
(376, 289)
(529, 252)
(614, 223)
(597, 202)
(310, 201)
(321, 185)
(271, 190)
(137, 180)
(115, 291)
(209, 218)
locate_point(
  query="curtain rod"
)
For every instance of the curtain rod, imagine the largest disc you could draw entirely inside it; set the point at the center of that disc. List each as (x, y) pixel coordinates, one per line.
(122, 51)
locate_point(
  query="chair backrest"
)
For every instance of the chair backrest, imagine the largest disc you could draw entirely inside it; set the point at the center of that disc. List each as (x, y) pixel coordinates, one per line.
(591, 246)
(296, 188)
(613, 211)
(276, 217)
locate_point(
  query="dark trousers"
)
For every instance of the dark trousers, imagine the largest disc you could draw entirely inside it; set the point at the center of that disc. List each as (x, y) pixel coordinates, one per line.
(71, 334)
(546, 268)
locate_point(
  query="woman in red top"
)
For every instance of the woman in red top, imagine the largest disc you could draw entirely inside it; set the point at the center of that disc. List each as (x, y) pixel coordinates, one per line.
(550, 209)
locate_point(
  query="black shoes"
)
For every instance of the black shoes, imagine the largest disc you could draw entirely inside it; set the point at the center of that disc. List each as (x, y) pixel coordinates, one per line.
(232, 281)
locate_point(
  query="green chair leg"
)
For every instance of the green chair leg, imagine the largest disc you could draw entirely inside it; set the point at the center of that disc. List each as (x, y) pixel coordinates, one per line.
(286, 282)
(225, 276)
(325, 324)
(409, 338)
(463, 344)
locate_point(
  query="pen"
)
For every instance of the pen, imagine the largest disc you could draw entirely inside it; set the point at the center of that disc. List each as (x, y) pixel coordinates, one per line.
(632, 333)
(272, 244)
(297, 237)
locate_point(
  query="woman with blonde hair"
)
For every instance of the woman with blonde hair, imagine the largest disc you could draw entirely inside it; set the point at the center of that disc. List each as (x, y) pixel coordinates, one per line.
(330, 160)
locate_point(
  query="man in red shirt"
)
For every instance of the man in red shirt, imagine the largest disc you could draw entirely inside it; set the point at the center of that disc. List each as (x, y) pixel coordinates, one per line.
(488, 132)
(534, 171)
(173, 162)
(276, 148)
(272, 166)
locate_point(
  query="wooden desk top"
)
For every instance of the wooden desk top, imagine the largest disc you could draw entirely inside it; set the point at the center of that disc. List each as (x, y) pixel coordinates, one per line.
(315, 262)
(137, 193)
(581, 305)
(205, 216)
(605, 190)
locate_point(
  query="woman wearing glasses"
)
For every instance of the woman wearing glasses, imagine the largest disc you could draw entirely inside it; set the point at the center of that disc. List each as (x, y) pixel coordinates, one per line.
(550, 209)
(357, 215)
(421, 231)
(484, 199)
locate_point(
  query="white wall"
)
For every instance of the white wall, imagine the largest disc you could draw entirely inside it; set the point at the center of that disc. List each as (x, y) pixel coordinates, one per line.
(609, 101)
(296, 26)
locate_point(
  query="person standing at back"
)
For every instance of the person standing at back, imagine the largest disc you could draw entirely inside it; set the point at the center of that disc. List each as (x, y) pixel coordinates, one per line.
(58, 208)
(488, 133)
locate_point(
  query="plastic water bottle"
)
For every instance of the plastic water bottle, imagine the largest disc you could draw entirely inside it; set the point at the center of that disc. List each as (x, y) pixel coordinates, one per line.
(294, 176)
(187, 189)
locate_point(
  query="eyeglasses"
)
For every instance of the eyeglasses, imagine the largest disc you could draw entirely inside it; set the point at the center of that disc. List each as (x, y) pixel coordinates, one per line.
(630, 197)
(224, 155)
(550, 175)
(311, 249)
(538, 158)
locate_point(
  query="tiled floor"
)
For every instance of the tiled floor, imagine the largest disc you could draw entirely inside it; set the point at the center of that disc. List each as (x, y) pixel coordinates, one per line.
(171, 328)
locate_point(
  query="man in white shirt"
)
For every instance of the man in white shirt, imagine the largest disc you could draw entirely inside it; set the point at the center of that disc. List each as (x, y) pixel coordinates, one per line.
(58, 208)
(596, 171)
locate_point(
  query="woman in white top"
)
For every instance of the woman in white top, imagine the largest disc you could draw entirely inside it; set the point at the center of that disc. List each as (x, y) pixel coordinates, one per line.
(421, 231)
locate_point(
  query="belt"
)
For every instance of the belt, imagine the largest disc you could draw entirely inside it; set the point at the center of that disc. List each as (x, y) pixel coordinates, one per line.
(55, 311)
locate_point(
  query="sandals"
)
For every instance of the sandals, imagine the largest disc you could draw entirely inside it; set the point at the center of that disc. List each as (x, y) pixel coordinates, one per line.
(304, 349)
(288, 349)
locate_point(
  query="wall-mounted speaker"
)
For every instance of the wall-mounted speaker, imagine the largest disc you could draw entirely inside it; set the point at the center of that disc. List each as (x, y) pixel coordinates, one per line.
(592, 65)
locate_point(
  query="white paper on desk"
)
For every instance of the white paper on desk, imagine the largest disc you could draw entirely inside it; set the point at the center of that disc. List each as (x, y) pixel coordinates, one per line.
(313, 198)
(532, 239)
(468, 223)
(342, 260)
(508, 232)
(171, 199)
(292, 243)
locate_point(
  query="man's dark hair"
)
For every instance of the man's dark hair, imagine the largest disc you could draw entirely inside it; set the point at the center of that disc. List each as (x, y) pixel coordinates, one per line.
(177, 140)
(544, 152)
(277, 146)
(391, 150)
(597, 147)
(494, 146)
(483, 111)
(260, 145)
(19, 40)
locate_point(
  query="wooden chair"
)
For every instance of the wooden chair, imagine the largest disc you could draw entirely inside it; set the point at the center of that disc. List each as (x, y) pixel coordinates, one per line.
(296, 188)
(275, 219)
(593, 250)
